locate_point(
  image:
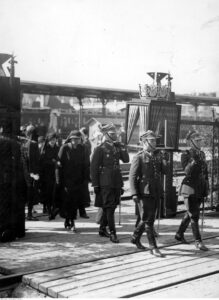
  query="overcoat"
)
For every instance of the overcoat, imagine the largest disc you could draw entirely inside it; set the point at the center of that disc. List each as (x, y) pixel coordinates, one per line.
(72, 172)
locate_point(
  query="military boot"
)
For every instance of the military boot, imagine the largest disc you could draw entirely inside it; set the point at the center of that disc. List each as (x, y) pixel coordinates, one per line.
(182, 228)
(113, 237)
(103, 231)
(136, 241)
(156, 252)
(196, 233)
(136, 238)
(200, 245)
(152, 243)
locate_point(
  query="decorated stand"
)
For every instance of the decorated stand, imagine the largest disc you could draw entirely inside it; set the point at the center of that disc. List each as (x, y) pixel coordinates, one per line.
(157, 110)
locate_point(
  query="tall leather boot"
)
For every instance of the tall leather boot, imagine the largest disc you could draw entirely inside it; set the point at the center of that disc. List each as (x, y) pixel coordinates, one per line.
(182, 228)
(198, 241)
(152, 242)
(136, 237)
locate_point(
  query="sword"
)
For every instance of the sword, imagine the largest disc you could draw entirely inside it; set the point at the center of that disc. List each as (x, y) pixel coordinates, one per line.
(158, 221)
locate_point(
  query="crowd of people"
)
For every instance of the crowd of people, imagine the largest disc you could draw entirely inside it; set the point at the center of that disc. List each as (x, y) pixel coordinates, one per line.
(59, 175)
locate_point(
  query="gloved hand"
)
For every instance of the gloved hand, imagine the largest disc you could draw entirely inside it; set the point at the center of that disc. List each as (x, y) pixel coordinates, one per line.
(96, 190)
(135, 199)
(35, 176)
(122, 191)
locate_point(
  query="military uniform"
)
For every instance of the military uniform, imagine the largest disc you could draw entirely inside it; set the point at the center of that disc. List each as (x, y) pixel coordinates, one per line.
(107, 179)
(145, 179)
(194, 188)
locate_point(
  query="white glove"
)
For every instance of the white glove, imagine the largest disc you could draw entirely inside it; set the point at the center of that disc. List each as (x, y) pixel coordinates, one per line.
(35, 176)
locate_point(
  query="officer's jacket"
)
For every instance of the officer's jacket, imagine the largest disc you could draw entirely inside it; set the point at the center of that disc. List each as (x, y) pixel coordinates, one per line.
(195, 166)
(105, 166)
(145, 174)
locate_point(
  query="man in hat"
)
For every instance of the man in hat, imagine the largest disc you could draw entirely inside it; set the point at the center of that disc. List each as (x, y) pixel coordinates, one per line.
(146, 188)
(12, 186)
(107, 179)
(30, 159)
(86, 194)
(48, 160)
(71, 174)
(194, 187)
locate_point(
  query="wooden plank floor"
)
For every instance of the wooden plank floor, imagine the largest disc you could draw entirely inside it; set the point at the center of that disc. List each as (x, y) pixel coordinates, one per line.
(206, 287)
(129, 274)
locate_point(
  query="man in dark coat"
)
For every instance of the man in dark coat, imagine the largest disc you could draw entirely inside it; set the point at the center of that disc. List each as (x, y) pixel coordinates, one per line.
(12, 186)
(146, 188)
(72, 172)
(48, 160)
(30, 158)
(194, 187)
(107, 179)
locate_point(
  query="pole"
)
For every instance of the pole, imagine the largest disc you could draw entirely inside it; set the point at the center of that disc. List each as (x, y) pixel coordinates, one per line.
(203, 214)
(165, 177)
(164, 183)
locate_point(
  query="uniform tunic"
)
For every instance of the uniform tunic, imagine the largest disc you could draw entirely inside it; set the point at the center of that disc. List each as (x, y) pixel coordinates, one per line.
(146, 181)
(195, 167)
(106, 173)
(196, 173)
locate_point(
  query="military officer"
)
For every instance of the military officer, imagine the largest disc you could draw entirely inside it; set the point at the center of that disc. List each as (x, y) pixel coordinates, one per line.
(146, 188)
(194, 187)
(107, 179)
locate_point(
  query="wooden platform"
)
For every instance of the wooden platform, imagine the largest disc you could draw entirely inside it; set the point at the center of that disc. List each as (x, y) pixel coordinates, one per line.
(62, 264)
(129, 275)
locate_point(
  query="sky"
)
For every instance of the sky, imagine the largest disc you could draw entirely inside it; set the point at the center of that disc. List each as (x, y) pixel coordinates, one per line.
(114, 43)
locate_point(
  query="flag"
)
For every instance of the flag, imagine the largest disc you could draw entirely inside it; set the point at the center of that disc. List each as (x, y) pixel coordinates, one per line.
(151, 74)
(3, 58)
(160, 76)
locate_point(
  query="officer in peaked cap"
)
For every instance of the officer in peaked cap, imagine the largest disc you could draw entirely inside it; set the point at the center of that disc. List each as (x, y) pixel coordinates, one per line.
(194, 187)
(107, 179)
(193, 135)
(146, 188)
